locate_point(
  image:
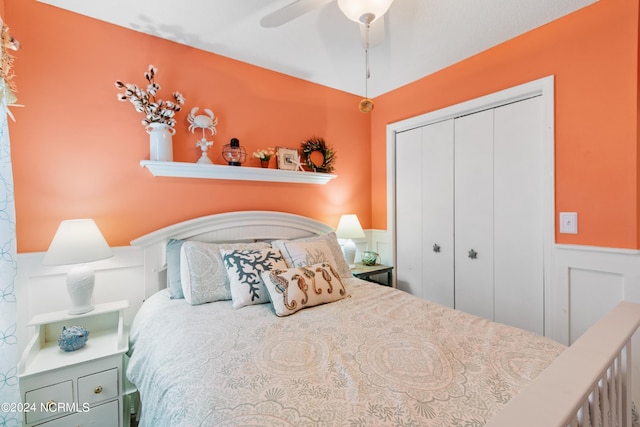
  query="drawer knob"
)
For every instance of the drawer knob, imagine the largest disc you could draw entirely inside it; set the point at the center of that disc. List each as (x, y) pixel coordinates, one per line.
(51, 406)
(473, 254)
(98, 390)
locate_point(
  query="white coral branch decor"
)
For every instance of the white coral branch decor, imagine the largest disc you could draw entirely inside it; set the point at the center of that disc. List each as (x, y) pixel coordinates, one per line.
(155, 110)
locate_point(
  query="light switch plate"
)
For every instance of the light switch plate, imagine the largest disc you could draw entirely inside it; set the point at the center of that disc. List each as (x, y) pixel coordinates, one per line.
(569, 222)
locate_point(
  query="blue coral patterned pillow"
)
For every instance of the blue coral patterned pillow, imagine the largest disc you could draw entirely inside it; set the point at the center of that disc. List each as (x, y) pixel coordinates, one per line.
(244, 269)
(203, 276)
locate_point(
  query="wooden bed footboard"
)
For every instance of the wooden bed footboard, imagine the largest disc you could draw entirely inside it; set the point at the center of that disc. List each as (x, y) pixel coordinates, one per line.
(590, 384)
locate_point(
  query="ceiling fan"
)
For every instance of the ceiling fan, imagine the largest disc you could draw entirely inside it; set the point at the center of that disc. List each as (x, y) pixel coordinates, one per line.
(364, 12)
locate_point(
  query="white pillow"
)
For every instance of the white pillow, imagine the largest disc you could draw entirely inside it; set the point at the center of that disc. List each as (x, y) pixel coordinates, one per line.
(300, 254)
(202, 273)
(293, 251)
(244, 269)
(293, 289)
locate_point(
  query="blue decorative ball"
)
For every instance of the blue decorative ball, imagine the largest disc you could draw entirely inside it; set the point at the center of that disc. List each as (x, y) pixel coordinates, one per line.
(73, 338)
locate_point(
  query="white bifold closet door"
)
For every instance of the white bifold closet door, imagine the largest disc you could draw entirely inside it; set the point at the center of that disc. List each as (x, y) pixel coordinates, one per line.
(474, 214)
(469, 222)
(424, 208)
(518, 215)
(409, 253)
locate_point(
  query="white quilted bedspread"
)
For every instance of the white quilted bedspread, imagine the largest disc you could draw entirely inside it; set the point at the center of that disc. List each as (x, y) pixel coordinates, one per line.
(381, 357)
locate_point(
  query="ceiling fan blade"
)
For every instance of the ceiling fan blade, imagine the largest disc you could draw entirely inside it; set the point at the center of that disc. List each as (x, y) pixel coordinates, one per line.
(291, 11)
(376, 33)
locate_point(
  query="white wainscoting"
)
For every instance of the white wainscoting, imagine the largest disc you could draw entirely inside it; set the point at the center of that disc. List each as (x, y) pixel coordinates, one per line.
(379, 241)
(587, 282)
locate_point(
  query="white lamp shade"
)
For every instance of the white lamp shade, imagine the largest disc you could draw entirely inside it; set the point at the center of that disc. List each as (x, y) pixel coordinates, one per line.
(77, 241)
(349, 227)
(356, 9)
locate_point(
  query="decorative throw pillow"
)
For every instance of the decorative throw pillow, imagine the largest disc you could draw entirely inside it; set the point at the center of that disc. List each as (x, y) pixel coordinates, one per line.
(301, 254)
(293, 289)
(174, 283)
(202, 272)
(244, 269)
(292, 249)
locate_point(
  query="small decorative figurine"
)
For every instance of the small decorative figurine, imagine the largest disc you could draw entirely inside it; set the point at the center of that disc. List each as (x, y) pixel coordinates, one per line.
(210, 121)
(73, 338)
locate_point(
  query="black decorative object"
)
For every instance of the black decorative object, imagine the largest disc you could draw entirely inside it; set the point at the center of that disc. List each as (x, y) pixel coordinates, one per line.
(233, 153)
(313, 145)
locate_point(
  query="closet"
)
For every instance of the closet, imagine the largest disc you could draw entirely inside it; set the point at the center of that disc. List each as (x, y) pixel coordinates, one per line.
(469, 213)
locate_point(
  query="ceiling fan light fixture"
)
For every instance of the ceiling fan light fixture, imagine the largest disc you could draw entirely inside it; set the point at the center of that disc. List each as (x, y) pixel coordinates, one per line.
(364, 11)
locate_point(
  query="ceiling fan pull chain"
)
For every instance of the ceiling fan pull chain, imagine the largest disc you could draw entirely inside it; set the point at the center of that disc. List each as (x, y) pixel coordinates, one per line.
(367, 75)
(366, 104)
(366, 53)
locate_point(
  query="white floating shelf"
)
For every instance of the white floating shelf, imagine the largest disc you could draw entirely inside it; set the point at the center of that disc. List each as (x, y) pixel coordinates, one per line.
(243, 173)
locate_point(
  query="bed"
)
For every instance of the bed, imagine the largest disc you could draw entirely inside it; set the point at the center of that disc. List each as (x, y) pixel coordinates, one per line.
(294, 354)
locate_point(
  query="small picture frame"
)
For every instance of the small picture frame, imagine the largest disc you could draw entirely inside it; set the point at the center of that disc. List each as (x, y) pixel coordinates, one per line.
(288, 158)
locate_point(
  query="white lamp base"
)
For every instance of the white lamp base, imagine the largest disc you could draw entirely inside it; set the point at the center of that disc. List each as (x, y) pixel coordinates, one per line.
(80, 282)
(349, 251)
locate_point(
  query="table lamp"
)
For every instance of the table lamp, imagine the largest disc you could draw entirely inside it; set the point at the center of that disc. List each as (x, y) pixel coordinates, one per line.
(349, 228)
(78, 241)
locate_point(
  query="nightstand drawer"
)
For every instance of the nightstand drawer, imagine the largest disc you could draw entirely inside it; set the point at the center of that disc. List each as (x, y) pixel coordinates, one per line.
(46, 401)
(106, 415)
(98, 387)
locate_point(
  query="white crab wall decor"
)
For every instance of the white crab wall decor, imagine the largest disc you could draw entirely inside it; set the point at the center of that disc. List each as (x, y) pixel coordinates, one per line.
(210, 121)
(204, 122)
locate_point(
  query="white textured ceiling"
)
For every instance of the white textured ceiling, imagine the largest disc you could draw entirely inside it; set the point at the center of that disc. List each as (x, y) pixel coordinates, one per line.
(323, 46)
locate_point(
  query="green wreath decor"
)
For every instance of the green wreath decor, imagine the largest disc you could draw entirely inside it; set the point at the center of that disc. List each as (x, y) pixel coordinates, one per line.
(318, 144)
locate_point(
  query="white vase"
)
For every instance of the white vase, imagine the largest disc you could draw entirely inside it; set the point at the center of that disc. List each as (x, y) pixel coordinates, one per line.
(161, 141)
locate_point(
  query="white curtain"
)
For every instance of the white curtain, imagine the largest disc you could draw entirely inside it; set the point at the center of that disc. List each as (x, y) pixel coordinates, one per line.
(8, 269)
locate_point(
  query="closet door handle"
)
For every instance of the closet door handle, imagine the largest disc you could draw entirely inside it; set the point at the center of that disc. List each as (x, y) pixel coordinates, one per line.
(473, 254)
(436, 248)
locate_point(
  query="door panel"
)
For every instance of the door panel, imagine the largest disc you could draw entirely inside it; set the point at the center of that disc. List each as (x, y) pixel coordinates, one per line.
(518, 204)
(409, 211)
(474, 213)
(437, 206)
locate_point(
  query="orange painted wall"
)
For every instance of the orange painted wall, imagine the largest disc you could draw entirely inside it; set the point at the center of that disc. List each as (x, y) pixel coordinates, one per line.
(593, 54)
(76, 148)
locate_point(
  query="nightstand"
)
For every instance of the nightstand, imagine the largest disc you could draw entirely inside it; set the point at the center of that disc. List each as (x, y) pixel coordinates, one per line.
(365, 272)
(81, 387)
